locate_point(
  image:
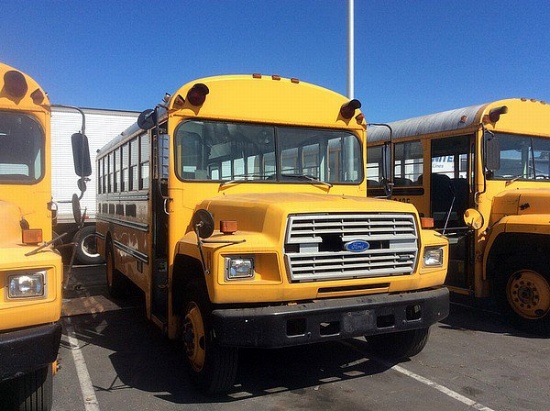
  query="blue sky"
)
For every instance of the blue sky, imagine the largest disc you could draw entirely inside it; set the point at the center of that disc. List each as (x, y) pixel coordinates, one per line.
(411, 57)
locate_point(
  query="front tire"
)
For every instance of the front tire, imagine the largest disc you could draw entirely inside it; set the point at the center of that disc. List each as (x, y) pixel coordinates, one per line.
(86, 252)
(399, 345)
(115, 279)
(522, 292)
(212, 367)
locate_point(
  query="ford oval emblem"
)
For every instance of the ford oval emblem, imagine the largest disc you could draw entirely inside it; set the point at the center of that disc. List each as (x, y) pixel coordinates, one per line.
(357, 246)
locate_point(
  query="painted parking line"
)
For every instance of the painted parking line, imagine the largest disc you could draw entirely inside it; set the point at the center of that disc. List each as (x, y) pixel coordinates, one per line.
(88, 393)
(453, 394)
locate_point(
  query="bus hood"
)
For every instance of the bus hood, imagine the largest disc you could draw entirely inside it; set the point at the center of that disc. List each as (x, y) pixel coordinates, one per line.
(522, 201)
(10, 216)
(252, 210)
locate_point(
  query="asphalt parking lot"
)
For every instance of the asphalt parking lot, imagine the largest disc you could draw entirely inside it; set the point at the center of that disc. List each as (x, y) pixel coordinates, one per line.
(113, 359)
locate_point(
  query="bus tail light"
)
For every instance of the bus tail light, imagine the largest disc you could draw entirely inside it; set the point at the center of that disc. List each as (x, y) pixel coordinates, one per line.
(348, 110)
(197, 94)
(32, 235)
(15, 84)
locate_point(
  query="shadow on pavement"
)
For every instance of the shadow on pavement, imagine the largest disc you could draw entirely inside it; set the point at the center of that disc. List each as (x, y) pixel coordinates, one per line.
(479, 315)
(145, 360)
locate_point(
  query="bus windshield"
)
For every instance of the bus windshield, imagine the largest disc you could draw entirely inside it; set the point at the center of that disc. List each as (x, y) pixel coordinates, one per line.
(21, 148)
(523, 157)
(221, 151)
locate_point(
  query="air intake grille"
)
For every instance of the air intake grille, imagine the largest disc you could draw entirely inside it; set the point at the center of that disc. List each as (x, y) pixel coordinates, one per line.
(315, 246)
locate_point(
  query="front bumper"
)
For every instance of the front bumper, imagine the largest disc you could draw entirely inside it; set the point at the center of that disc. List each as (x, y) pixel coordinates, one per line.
(332, 319)
(26, 350)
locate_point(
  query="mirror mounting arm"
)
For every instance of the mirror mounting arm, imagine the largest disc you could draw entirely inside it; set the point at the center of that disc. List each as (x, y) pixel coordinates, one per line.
(387, 169)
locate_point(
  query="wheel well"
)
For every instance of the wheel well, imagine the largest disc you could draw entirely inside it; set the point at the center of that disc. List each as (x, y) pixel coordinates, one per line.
(185, 269)
(509, 245)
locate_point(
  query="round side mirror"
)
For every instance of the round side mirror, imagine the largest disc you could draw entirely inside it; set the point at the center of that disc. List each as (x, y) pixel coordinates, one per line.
(203, 222)
(473, 218)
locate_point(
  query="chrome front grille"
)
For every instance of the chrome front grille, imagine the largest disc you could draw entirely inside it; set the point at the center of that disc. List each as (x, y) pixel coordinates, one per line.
(314, 246)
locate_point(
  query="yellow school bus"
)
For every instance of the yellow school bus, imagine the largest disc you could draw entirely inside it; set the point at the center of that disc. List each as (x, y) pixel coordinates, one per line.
(483, 174)
(31, 271)
(238, 206)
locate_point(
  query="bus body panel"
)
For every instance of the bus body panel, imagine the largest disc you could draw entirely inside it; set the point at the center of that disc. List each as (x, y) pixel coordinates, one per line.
(512, 198)
(29, 321)
(270, 171)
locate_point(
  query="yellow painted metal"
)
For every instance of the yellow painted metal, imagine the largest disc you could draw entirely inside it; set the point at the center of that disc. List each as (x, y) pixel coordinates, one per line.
(262, 208)
(514, 206)
(28, 201)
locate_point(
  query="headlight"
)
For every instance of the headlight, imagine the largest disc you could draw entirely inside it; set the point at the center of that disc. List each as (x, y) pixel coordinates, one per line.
(27, 284)
(433, 256)
(238, 268)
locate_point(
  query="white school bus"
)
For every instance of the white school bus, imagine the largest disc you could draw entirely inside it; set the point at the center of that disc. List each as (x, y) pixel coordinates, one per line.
(483, 174)
(238, 206)
(31, 271)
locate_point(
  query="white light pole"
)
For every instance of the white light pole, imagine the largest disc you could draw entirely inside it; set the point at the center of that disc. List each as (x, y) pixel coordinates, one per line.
(350, 90)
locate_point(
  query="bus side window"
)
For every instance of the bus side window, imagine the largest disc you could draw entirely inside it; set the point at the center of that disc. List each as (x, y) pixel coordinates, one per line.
(408, 163)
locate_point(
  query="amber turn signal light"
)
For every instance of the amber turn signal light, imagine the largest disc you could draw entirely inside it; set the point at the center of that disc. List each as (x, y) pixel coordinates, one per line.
(32, 236)
(427, 222)
(228, 226)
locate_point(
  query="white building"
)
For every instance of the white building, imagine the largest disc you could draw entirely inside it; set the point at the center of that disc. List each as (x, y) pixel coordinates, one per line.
(100, 126)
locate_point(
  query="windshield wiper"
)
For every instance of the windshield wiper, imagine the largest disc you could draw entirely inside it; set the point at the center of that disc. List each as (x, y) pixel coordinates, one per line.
(244, 179)
(306, 177)
(513, 179)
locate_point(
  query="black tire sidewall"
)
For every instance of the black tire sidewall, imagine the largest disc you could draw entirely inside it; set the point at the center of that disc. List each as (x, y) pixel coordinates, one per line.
(210, 378)
(118, 286)
(505, 271)
(82, 254)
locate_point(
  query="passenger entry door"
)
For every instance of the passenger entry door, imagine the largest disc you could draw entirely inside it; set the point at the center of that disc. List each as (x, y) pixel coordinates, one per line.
(160, 200)
(451, 193)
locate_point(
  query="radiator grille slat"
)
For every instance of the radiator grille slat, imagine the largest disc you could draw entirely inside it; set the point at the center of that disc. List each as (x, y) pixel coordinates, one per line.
(314, 246)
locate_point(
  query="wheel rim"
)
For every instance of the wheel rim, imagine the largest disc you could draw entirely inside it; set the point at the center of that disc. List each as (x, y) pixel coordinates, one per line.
(89, 246)
(193, 337)
(528, 293)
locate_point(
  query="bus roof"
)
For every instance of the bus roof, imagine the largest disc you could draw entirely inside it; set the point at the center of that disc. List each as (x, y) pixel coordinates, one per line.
(525, 115)
(255, 98)
(431, 123)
